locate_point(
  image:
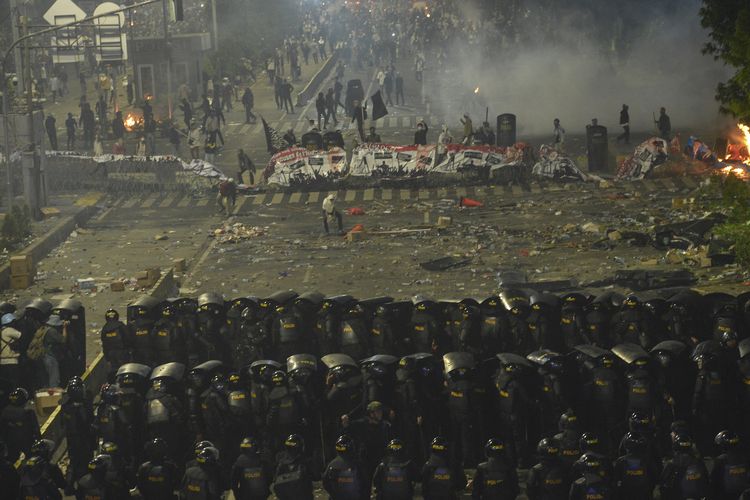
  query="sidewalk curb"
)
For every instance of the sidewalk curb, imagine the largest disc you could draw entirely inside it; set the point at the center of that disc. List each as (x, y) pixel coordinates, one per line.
(42, 246)
(318, 78)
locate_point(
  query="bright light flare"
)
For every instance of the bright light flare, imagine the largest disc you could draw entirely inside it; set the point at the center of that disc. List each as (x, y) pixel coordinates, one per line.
(476, 90)
(132, 121)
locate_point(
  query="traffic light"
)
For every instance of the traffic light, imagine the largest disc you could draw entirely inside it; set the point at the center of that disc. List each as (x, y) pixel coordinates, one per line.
(178, 14)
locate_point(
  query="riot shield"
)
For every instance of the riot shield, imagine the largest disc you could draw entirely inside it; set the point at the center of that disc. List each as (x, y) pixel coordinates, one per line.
(508, 358)
(457, 360)
(337, 359)
(301, 361)
(174, 371)
(629, 353)
(598, 147)
(506, 130)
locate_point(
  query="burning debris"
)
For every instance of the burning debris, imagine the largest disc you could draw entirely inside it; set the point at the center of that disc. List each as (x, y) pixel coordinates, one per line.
(133, 121)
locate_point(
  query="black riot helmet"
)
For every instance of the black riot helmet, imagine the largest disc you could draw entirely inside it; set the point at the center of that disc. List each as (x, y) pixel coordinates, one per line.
(98, 465)
(218, 382)
(294, 444)
(592, 464)
(110, 448)
(547, 448)
(207, 456)
(494, 448)
(682, 443)
(202, 445)
(727, 440)
(18, 397)
(568, 421)
(439, 446)
(589, 442)
(395, 448)
(110, 394)
(344, 445)
(75, 388)
(631, 302)
(234, 380)
(43, 448)
(278, 379)
(640, 422)
(111, 315)
(249, 444)
(634, 443)
(168, 310)
(156, 449)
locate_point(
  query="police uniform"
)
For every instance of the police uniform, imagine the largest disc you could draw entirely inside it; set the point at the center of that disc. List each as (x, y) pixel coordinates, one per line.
(114, 337)
(345, 479)
(77, 417)
(250, 479)
(495, 480)
(394, 479)
(157, 480)
(442, 480)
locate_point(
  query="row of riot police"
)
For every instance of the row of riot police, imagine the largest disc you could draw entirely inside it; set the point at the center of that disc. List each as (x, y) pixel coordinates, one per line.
(246, 329)
(292, 418)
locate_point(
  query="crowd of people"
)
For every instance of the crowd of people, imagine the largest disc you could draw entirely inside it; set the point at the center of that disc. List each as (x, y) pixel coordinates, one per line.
(610, 395)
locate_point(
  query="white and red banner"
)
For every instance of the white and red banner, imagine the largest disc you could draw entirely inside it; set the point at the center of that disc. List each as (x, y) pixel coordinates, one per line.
(300, 166)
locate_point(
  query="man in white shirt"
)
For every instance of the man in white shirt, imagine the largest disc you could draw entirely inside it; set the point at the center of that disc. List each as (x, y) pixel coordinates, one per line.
(330, 214)
(9, 338)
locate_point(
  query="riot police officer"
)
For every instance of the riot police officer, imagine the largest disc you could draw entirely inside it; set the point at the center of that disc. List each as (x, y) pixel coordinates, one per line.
(544, 322)
(293, 324)
(518, 305)
(601, 393)
(9, 478)
(140, 323)
(685, 318)
(496, 479)
(199, 381)
(573, 320)
(165, 412)
(328, 322)
(132, 379)
(114, 337)
(214, 413)
(93, 485)
(390, 328)
(514, 402)
(594, 483)
(598, 314)
(395, 476)
(305, 380)
(555, 388)
(18, 424)
(442, 478)
(343, 387)
(636, 474)
(372, 434)
(169, 342)
(353, 338)
(730, 475)
(711, 396)
(250, 478)
(640, 384)
(459, 383)
(260, 387)
(77, 417)
(286, 413)
(202, 481)
(211, 342)
(685, 474)
(294, 478)
(410, 405)
(568, 439)
(494, 326)
(379, 379)
(743, 367)
(426, 331)
(632, 324)
(35, 483)
(157, 478)
(240, 416)
(548, 479)
(674, 376)
(110, 421)
(345, 477)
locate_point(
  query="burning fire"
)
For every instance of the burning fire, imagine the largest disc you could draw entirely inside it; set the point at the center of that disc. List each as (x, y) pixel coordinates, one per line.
(132, 122)
(737, 154)
(476, 90)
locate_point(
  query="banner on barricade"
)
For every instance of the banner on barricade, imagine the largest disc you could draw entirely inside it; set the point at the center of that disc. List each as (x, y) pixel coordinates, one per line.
(296, 165)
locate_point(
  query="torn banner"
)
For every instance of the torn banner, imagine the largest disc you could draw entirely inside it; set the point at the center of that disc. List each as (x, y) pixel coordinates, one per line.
(201, 168)
(295, 166)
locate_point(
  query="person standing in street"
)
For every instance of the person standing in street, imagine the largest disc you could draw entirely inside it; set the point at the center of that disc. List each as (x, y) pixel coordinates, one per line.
(118, 126)
(399, 84)
(194, 141)
(337, 88)
(388, 87)
(330, 214)
(625, 124)
(287, 90)
(51, 128)
(468, 130)
(174, 138)
(331, 106)
(359, 114)
(9, 350)
(320, 107)
(420, 136)
(559, 135)
(70, 128)
(248, 101)
(664, 124)
(245, 165)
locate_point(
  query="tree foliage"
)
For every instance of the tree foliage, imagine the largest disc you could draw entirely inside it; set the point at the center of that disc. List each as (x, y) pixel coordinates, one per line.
(728, 22)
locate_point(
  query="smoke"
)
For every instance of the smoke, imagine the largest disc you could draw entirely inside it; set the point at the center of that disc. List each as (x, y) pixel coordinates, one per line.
(576, 78)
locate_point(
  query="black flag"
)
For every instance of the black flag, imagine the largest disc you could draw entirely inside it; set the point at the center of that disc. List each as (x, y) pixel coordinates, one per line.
(274, 141)
(378, 106)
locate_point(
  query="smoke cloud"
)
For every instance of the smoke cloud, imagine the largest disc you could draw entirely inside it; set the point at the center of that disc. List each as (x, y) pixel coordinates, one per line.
(577, 78)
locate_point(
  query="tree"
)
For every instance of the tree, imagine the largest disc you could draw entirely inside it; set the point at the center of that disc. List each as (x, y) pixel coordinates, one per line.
(729, 40)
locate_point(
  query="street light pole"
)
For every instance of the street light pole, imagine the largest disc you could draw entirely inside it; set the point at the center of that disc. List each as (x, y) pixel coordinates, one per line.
(169, 59)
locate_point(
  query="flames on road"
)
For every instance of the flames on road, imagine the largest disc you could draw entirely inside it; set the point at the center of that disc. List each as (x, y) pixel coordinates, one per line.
(132, 121)
(738, 154)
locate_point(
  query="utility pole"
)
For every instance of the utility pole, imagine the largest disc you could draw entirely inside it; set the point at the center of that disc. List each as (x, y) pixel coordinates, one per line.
(168, 47)
(14, 33)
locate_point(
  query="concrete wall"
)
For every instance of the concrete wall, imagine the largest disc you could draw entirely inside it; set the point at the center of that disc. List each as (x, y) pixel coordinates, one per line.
(311, 89)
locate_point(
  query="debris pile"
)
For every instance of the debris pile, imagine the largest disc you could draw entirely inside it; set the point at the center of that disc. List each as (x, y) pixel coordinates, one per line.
(234, 233)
